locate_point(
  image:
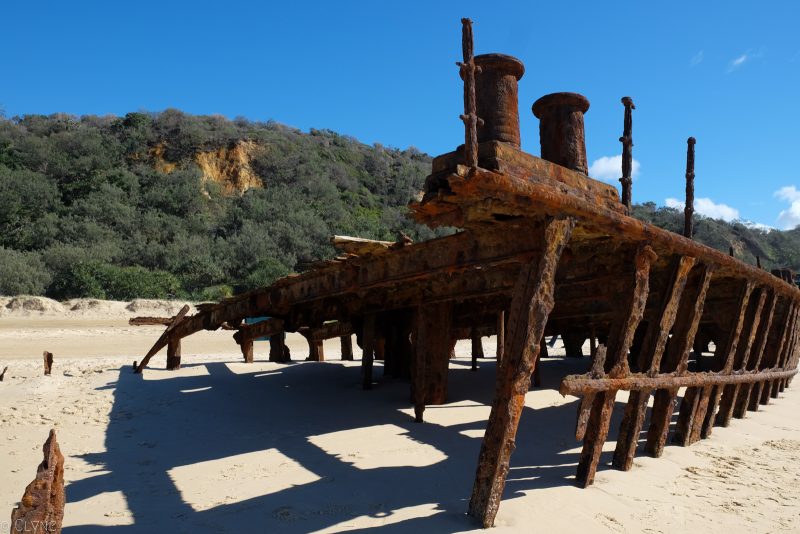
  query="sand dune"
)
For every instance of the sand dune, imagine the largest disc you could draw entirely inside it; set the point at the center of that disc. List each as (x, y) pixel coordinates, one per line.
(223, 446)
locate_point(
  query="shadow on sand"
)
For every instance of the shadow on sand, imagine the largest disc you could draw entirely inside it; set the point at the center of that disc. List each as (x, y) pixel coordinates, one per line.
(158, 425)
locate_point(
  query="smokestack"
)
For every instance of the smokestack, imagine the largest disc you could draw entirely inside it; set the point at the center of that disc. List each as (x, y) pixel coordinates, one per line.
(497, 102)
(561, 131)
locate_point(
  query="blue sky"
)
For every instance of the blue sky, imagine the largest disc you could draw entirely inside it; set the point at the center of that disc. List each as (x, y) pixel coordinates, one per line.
(725, 72)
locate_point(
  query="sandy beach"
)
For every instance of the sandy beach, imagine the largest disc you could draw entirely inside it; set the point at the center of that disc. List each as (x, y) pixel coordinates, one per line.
(224, 446)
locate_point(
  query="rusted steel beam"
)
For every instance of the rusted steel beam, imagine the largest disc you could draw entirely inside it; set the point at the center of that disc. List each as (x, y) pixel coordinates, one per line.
(616, 365)
(677, 356)
(650, 363)
(501, 335)
(699, 402)
(247, 347)
(173, 354)
(369, 340)
(513, 195)
(149, 321)
(531, 304)
(47, 358)
(774, 358)
(347, 347)
(583, 384)
(688, 207)
(585, 409)
(627, 151)
(712, 395)
(470, 117)
(730, 392)
(278, 351)
(41, 508)
(433, 344)
(754, 361)
(785, 356)
(477, 348)
(316, 352)
(264, 328)
(164, 339)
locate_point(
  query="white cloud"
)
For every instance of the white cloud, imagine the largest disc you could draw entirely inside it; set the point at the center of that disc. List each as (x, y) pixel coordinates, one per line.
(738, 62)
(707, 207)
(788, 193)
(609, 168)
(697, 58)
(789, 218)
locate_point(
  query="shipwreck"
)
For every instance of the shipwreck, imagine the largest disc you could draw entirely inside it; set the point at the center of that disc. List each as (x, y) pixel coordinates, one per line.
(541, 249)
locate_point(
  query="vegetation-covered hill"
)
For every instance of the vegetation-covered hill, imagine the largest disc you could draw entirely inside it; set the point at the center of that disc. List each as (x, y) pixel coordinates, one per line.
(174, 205)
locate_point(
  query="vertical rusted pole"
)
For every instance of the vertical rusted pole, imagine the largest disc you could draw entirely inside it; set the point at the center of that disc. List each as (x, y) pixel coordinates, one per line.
(48, 362)
(347, 347)
(278, 351)
(433, 343)
(315, 350)
(501, 334)
(730, 250)
(477, 348)
(531, 304)
(627, 152)
(688, 208)
(758, 262)
(246, 344)
(369, 340)
(470, 116)
(174, 354)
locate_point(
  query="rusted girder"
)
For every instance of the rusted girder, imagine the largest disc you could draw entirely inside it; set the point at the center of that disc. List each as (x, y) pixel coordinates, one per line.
(531, 305)
(650, 362)
(598, 417)
(163, 340)
(150, 321)
(585, 384)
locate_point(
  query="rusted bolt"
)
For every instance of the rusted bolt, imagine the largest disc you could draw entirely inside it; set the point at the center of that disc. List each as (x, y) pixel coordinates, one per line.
(561, 131)
(496, 94)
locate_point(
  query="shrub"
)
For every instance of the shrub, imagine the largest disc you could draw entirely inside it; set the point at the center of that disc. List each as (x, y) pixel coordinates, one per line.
(104, 281)
(22, 273)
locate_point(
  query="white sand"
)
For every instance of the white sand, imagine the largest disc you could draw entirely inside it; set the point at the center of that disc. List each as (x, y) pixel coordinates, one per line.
(222, 446)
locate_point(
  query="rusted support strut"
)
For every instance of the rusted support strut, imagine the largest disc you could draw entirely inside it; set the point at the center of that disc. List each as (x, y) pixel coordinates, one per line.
(531, 304)
(163, 340)
(596, 409)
